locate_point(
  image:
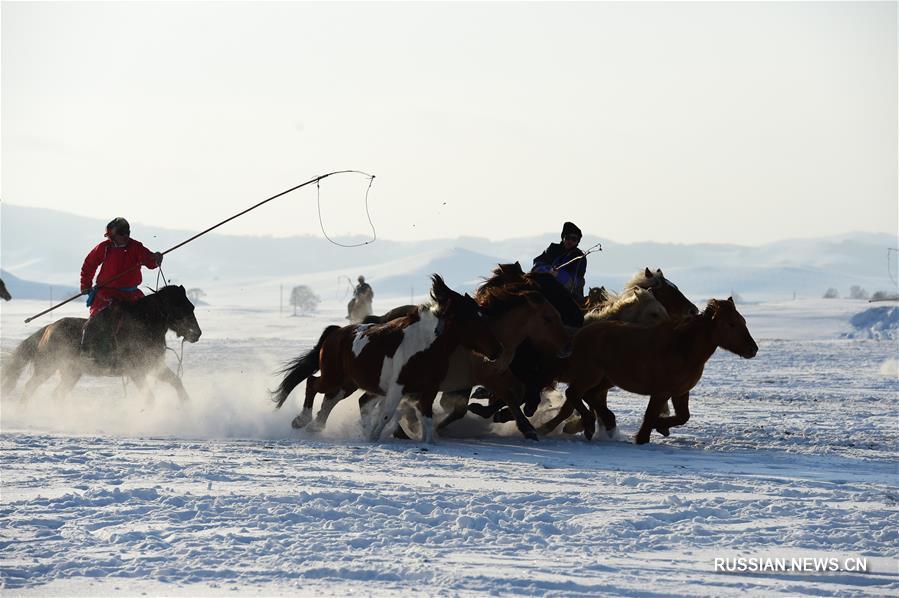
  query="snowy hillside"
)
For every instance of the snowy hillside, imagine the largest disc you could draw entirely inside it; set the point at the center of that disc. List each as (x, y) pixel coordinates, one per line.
(804, 267)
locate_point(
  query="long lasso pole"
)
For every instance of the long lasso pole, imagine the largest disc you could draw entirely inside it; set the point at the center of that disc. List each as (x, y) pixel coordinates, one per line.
(597, 247)
(211, 228)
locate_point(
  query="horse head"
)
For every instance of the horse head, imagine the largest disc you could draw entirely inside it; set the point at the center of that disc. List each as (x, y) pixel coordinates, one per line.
(462, 316)
(730, 328)
(179, 312)
(544, 326)
(665, 291)
(4, 294)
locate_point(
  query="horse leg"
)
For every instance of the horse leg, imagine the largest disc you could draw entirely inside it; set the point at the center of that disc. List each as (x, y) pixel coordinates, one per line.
(650, 417)
(328, 403)
(70, 377)
(681, 415)
(426, 413)
(531, 400)
(456, 405)
(39, 376)
(387, 412)
(305, 415)
(140, 380)
(573, 396)
(168, 376)
(596, 399)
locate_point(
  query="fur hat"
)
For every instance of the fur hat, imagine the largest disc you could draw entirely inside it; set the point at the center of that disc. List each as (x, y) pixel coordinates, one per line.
(569, 228)
(118, 225)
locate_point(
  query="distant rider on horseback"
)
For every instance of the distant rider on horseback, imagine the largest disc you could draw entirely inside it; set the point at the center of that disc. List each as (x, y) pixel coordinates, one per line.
(555, 257)
(119, 253)
(362, 292)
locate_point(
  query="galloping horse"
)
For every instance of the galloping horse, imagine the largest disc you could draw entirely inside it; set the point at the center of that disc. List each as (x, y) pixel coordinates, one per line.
(140, 340)
(596, 296)
(663, 361)
(534, 367)
(407, 355)
(4, 294)
(514, 316)
(359, 307)
(664, 290)
(637, 305)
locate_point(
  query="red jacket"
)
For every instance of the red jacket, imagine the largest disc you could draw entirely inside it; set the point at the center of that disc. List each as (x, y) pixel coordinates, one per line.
(116, 260)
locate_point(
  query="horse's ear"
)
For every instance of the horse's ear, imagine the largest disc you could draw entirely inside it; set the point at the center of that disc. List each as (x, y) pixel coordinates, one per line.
(439, 291)
(731, 300)
(648, 273)
(518, 265)
(659, 272)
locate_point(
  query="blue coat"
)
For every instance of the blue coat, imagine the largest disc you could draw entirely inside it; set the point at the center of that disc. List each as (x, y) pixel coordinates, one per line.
(572, 276)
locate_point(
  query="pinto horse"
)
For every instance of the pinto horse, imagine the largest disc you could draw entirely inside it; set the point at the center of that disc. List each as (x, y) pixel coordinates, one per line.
(408, 355)
(139, 340)
(663, 361)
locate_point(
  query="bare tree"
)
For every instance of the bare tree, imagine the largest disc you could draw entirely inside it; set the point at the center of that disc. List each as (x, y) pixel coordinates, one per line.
(303, 298)
(856, 292)
(831, 293)
(195, 295)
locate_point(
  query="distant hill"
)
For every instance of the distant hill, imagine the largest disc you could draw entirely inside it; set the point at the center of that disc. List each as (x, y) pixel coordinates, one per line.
(806, 267)
(27, 289)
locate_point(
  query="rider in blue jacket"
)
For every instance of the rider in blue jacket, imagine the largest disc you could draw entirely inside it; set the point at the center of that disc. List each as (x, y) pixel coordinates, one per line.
(555, 257)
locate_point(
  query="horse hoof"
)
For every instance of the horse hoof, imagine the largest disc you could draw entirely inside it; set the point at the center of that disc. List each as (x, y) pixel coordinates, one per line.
(666, 432)
(573, 427)
(531, 435)
(642, 439)
(503, 416)
(300, 422)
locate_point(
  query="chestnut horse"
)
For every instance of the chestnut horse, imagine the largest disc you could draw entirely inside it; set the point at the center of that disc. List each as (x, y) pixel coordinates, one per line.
(404, 356)
(139, 340)
(663, 361)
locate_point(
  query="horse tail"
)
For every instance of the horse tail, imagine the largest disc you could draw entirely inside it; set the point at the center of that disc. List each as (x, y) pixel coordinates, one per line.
(21, 357)
(300, 368)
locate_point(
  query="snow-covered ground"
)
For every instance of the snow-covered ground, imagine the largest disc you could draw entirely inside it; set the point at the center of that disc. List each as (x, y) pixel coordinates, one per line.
(791, 454)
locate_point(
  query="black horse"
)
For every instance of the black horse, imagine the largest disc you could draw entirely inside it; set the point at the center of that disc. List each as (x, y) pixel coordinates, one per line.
(138, 330)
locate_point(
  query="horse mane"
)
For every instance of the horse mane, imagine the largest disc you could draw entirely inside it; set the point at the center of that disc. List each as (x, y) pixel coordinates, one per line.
(496, 301)
(640, 279)
(613, 307)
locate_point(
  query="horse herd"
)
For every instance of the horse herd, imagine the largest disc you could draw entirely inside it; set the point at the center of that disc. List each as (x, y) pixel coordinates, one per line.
(522, 333)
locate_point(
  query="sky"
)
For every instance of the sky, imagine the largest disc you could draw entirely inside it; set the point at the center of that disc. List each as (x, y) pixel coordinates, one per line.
(671, 122)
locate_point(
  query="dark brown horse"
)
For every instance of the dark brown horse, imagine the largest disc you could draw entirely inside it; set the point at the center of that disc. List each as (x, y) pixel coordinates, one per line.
(4, 294)
(408, 355)
(514, 316)
(534, 367)
(139, 339)
(663, 361)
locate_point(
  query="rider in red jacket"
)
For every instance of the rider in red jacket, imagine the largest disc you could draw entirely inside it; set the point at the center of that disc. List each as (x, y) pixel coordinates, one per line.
(119, 254)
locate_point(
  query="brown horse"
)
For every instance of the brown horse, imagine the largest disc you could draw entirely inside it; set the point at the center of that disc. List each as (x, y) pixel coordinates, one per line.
(514, 316)
(663, 361)
(596, 296)
(4, 294)
(408, 355)
(139, 340)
